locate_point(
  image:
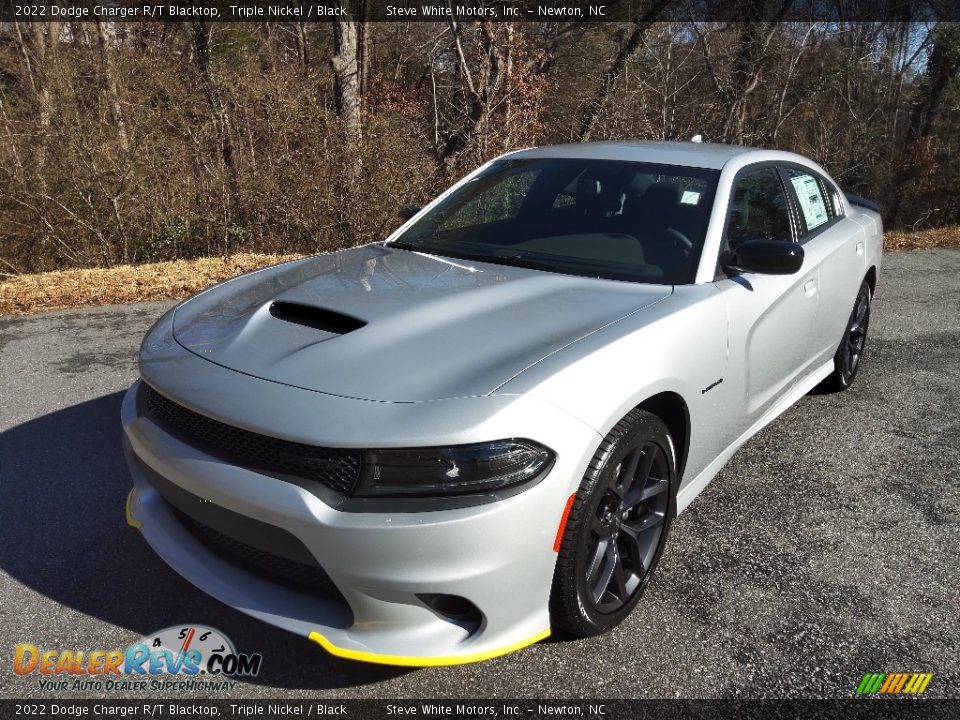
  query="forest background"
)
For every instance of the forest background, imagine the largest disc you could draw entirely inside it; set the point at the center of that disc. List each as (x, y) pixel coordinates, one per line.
(126, 143)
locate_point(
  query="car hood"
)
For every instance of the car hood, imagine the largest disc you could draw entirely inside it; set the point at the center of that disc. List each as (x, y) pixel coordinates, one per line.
(378, 323)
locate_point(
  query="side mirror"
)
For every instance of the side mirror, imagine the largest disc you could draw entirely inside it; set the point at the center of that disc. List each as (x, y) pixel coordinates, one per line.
(408, 212)
(770, 257)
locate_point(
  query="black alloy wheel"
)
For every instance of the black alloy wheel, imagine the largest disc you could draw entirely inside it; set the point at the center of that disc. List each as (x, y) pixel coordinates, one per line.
(848, 356)
(617, 527)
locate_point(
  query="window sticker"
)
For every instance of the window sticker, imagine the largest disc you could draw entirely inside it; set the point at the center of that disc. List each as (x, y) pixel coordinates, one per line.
(690, 197)
(811, 200)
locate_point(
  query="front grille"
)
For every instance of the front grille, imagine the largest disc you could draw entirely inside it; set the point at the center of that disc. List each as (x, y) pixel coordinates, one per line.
(266, 550)
(311, 579)
(336, 468)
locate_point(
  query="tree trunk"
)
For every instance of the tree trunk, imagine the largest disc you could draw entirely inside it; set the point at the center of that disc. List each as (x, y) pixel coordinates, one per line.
(35, 51)
(346, 83)
(218, 111)
(303, 46)
(201, 39)
(366, 48)
(106, 39)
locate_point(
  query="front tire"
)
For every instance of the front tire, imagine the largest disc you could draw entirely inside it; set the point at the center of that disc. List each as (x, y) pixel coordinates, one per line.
(846, 361)
(617, 527)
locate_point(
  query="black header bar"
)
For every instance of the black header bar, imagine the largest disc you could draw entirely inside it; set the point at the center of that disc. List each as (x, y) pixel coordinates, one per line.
(477, 10)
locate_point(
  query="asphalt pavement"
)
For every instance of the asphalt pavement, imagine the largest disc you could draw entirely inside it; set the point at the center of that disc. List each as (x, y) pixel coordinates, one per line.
(827, 548)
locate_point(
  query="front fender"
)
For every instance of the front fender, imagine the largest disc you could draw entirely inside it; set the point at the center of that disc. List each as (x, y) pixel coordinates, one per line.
(678, 345)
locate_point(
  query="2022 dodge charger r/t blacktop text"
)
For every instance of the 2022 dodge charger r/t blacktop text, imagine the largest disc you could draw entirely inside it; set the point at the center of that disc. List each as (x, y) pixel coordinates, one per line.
(434, 449)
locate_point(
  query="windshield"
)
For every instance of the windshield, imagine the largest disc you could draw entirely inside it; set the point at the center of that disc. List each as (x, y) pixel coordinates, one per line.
(603, 218)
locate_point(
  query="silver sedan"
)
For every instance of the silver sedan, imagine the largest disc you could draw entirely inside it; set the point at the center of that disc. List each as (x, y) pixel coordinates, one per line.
(439, 448)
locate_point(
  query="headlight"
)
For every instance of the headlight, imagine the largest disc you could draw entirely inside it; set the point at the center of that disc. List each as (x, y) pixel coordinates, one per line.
(453, 470)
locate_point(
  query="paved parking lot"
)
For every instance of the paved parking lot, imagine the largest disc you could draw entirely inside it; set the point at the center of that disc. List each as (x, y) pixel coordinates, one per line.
(827, 548)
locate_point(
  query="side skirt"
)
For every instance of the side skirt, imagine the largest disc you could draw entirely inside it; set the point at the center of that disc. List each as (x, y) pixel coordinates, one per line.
(801, 388)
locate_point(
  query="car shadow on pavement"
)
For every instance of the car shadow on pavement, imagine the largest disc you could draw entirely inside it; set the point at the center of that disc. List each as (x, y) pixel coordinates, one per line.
(63, 534)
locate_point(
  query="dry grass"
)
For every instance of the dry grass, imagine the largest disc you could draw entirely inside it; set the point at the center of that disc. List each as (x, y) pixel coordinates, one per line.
(126, 283)
(923, 239)
(170, 280)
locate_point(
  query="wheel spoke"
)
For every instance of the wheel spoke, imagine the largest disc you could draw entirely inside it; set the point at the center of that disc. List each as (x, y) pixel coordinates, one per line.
(861, 314)
(610, 563)
(593, 567)
(852, 356)
(628, 473)
(640, 490)
(654, 488)
(620, 575)
(649, 456)
(634, 460)
(597, 526)
(632, 539)
(641, 525)
(638, 495)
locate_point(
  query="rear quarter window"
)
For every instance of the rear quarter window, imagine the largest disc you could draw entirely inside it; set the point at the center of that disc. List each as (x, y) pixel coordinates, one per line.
(816, 205)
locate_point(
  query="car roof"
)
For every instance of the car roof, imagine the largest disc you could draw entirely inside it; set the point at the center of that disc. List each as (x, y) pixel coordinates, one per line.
(685, 154)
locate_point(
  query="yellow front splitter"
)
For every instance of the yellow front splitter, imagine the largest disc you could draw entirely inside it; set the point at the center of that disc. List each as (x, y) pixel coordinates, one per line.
(412, 661)
(131, 520)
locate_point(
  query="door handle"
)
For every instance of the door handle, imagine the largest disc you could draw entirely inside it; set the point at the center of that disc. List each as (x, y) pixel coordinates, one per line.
(810, 286)
(860, 248)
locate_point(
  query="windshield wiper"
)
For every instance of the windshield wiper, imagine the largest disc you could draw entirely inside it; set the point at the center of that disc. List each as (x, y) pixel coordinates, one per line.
(512, 260)
(403, 245)
(517, 260)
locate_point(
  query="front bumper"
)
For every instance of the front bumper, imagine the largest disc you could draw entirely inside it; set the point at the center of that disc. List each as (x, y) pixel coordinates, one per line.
(499, 556)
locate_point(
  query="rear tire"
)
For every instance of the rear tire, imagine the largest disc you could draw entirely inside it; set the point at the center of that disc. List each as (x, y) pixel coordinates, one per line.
(846, 361)
(617, 527)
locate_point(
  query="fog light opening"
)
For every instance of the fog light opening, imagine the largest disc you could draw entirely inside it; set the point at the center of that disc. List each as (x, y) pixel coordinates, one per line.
(455, 609)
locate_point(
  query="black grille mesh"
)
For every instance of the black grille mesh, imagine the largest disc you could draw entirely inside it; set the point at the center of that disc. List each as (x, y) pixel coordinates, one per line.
(337, 469)
(295, 575)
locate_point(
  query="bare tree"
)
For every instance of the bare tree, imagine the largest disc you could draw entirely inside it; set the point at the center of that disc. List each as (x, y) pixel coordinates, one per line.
(346, 83)
(942, 67)
(106, 39)
(366, 49)
(750, 55)
(481, 90)
(221, 119)
(218, 110)
(37, 49)
(303, 44)
(608, 81)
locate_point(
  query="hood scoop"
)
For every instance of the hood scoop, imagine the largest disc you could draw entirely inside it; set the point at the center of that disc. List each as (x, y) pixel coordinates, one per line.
(315, 317)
